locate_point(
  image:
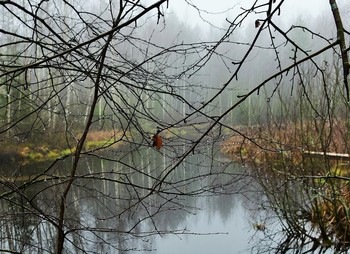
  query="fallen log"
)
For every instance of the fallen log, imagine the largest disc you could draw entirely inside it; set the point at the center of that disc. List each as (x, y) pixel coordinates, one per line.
(329, 155)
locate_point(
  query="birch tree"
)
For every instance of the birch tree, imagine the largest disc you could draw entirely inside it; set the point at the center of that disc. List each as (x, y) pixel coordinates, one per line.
(71, 70)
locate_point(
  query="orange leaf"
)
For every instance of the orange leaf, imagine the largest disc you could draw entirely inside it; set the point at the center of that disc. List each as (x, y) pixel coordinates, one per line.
(157, 141)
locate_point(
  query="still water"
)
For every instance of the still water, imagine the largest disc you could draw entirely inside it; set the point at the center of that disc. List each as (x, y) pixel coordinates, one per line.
(205, 205)
(234, 231)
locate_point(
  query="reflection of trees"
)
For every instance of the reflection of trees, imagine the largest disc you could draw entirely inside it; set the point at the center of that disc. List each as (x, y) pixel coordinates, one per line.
(71, 71)
(24, 224)
(305, 215)
(109, 210)
(307, 188)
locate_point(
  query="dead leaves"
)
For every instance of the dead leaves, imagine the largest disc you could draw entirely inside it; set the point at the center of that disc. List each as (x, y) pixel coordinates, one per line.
(157, 141)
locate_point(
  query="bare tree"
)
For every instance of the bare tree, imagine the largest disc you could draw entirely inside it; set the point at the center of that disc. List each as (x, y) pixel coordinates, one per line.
(298, 153)
(107, 103)
(73, 72)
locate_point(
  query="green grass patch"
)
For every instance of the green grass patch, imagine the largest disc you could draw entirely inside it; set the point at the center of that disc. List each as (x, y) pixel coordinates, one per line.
(47, 151)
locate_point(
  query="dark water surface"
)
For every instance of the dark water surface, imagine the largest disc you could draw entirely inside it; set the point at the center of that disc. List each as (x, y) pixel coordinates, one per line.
(105, 215)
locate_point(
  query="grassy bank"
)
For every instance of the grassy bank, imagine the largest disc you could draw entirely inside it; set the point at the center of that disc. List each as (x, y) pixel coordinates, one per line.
(51, 147)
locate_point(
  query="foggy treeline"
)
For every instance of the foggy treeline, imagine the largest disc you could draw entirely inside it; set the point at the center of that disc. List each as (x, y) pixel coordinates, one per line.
(113, 113)
(55, 95)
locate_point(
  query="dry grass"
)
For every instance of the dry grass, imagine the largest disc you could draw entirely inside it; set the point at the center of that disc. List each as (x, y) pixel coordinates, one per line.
(276, 154)
(263, 143)
(103, 135)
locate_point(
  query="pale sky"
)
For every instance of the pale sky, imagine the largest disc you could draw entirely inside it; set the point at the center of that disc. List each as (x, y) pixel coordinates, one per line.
(291, 8)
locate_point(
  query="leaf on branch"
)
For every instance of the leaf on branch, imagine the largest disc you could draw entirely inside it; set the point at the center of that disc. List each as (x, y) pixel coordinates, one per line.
(257, 23)
(157, 141)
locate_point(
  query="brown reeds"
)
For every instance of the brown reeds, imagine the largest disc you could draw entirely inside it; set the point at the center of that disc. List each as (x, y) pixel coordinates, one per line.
(300, 187)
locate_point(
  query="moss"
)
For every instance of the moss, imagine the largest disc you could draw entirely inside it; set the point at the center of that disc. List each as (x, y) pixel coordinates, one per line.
(53, 154)
(48, 149)
(66, 152)
(35, 156)
(90, 145)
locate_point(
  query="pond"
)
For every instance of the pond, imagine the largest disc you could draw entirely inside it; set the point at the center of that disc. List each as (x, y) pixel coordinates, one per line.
(223, 226)
(118, 204)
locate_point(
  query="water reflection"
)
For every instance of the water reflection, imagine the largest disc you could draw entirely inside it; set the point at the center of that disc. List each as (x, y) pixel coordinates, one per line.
(221, 227)
(121, 203)
(118, 205)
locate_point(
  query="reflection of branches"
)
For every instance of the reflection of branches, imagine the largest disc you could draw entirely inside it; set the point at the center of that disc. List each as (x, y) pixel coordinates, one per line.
(98, 83)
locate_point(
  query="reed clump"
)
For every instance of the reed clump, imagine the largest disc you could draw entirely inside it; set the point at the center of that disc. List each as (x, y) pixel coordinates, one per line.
(311, 193)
